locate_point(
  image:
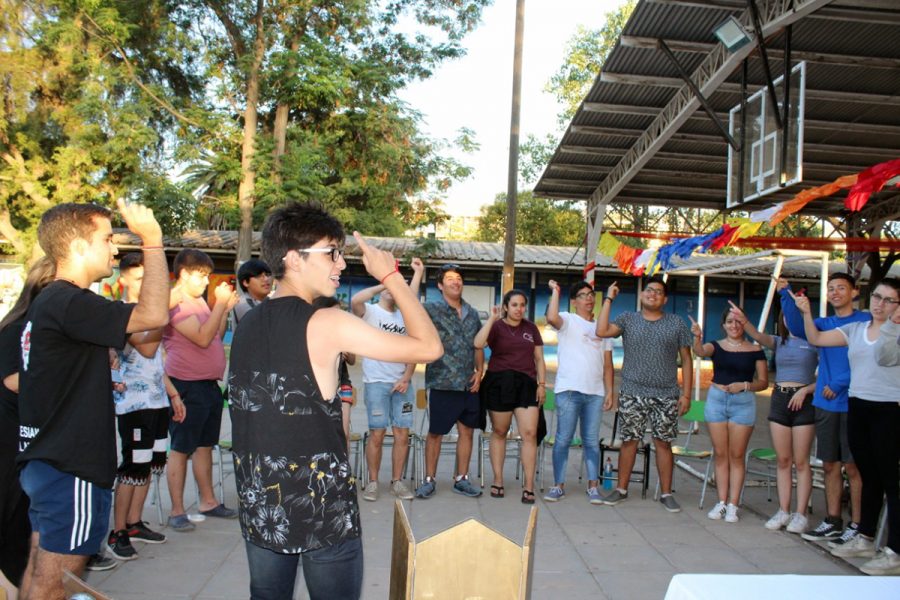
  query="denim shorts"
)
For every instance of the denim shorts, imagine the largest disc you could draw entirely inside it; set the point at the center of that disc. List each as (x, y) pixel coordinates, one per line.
(384, 407)
(70, 514)
(724, 407)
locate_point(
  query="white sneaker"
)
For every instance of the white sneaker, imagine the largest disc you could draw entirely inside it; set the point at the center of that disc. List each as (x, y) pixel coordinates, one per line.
(399, 489)
(731, 514)
(717, 512)
(860, 546)
(371, 491)
(798, 523)
(886, 563)
(778, 520)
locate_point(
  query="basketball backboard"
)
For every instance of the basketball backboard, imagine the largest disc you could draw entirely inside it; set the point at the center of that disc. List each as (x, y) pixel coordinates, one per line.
(766, 164)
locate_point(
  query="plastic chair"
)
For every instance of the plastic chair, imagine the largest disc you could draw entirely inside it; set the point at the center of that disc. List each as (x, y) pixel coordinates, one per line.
(614, 444)
(693, 415)
(766, 456)
(484, 444)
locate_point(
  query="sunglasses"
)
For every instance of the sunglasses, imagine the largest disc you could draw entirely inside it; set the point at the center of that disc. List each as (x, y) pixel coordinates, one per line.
(333, 251)
(450, 267)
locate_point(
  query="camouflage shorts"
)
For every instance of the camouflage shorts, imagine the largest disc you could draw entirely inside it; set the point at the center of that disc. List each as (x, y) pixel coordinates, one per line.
(638, 413)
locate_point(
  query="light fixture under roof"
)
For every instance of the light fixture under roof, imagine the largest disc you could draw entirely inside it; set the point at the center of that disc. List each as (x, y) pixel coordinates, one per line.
(732, 34)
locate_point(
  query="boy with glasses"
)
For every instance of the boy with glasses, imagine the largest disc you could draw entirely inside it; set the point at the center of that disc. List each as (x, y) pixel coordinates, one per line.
(653, 341)
(831, 403)
(297, 495)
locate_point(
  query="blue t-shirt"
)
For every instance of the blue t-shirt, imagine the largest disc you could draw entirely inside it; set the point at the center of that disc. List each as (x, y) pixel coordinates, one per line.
(834, 366)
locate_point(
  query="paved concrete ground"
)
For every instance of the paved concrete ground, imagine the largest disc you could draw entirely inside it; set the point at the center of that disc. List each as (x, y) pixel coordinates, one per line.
(582, 551)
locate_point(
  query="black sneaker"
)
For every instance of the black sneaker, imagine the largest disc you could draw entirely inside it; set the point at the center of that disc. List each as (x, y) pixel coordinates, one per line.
(100, 562)
(827, 529)
(847, 536)
(139, 532)
(120, 546)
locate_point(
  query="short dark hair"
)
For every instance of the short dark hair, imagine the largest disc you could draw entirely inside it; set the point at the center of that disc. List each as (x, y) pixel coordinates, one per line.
(892, 282)
(845, 276)
(66, 222)
(130, 261)
(252, 268)
(577, 287)
(657, 279)
(191, 259)
(448, 268)
(296, 225)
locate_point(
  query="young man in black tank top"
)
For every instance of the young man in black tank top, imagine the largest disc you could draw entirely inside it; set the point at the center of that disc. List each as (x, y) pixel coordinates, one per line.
(297, 494)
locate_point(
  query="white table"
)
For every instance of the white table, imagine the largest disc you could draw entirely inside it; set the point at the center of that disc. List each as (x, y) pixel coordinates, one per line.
(772, 587)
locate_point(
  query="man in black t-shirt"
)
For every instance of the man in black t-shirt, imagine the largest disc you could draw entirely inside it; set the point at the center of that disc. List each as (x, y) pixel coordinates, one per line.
(297, 496)
(67, 432)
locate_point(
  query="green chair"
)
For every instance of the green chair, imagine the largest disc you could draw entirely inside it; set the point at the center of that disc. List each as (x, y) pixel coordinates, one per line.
(766, 456)
(549, 439)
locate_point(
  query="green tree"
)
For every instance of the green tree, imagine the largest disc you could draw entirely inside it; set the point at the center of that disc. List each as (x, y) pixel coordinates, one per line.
(538, 221)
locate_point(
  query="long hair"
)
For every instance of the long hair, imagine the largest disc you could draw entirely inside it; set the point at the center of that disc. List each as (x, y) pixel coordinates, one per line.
(39, 275)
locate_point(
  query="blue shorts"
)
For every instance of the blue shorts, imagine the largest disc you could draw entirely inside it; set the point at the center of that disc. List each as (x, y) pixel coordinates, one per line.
(70, 514)
(203, 415)
(385, 407)
(446, 407)
(723, 407)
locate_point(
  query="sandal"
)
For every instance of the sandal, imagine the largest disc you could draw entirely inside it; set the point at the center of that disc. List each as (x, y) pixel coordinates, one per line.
(527, 497)
(497, 491)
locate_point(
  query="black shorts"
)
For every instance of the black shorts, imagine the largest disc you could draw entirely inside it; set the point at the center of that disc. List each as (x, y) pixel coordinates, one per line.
(203, 407)
(506, 391)
(145, 438)
(832, 441)
(781, 414)
(446, 407)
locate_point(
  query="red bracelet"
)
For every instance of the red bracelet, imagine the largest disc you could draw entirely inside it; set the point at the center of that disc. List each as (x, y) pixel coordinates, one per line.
(388, 275)
(151, 247)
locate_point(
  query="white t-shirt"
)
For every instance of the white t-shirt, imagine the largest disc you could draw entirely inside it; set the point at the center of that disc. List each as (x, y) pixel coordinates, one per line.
(377, 371)
(580, 356)
(868, 381)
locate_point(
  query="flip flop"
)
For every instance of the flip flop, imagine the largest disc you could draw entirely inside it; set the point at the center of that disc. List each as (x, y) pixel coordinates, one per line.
(220, 511)
(527, 497)
(497, 491)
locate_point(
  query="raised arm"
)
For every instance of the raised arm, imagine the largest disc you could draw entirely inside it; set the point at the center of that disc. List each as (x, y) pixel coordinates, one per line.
(687, 380)
(361, 298)
(605, 329)
(152, 309)
(700, 349)
(481, 337)
(418, 268)
(813, 335)
(202, 334)
(611, 402)
(793, 318)
(553, 317)
(750, 329)
(343, 332)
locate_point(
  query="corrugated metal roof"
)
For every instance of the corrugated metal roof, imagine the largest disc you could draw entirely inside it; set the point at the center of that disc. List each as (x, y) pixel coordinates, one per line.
(852, 106)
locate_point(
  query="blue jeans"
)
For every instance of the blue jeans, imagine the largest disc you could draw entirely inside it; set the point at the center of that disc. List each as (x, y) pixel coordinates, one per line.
(332, 572)
(570, 408)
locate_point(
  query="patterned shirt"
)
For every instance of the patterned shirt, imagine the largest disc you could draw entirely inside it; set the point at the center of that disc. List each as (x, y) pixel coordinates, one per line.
(454, 370)
(143, 377)
(650, 363)
(295, 489)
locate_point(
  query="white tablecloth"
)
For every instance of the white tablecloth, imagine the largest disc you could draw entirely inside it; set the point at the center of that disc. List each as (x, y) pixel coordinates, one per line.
(773, 587)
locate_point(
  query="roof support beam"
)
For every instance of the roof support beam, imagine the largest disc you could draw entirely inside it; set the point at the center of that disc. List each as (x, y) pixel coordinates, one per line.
(823, 58)
(700, 97)
(861, 11)
(735, 88)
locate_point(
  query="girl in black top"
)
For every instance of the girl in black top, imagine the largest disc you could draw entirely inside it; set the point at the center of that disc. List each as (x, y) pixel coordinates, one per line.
(739, 370)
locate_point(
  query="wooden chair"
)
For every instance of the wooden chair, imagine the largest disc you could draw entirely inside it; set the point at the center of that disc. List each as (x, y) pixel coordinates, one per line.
(468, 560)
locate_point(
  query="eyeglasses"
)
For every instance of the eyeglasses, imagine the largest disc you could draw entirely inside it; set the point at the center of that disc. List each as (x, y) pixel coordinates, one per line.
(334, 251)
(450, 267)
(584, 295)
(887, 301)
(655, 291)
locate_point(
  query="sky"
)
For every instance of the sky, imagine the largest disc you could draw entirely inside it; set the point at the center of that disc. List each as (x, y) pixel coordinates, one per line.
(476, 90)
